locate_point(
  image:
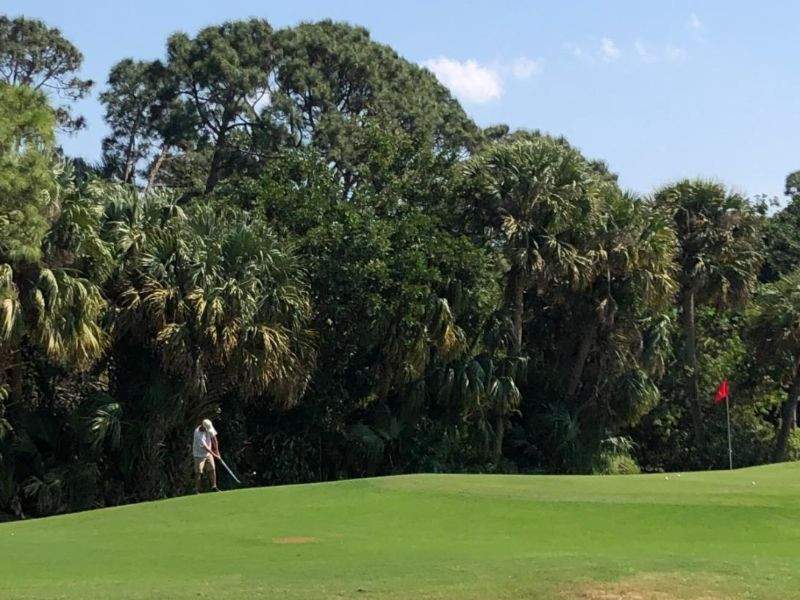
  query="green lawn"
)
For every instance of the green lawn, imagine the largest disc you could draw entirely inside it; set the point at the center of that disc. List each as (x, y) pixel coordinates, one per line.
(694, 535)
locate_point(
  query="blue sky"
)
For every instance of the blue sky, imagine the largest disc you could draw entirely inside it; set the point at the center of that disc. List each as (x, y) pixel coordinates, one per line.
(660, 90)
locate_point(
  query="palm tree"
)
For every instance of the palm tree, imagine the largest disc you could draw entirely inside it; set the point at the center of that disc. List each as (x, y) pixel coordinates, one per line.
(210, 307)
(774, 330)
(633, 249)
(48, 235)
(49, 309)
(52, 260)
(718, 259)
(478, 383)
(219, 297)
(604, 346)
(535, 199)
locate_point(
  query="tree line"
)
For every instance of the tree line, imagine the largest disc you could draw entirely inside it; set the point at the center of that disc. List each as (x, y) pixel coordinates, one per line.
(301, 234)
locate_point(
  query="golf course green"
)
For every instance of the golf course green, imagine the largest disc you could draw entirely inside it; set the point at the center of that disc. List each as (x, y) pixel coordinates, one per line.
(703, 535)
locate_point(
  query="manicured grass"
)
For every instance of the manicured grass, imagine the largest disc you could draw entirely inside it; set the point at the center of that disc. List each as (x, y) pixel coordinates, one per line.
(697, 535)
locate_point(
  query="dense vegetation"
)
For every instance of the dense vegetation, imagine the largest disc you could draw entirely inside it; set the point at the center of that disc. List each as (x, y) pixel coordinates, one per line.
(303, 235)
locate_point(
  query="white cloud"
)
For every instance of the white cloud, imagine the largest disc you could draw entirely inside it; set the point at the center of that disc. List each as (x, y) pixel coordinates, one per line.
(645, 51)
(523, 67)
(650, 54)
(467, 79)
(574, 49)
(675, 53)
(609, 50)
(694, 23)
(472, 81)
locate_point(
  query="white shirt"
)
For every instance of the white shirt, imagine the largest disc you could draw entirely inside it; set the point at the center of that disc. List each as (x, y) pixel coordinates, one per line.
(202, 441)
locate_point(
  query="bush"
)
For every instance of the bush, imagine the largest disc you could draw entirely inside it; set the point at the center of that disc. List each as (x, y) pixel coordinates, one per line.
(608, 463)
(615, 457)
(793, 445)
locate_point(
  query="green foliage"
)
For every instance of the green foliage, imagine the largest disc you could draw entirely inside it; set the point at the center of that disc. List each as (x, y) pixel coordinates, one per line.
(615, 464)
(534, 199)
(348, 97)
(718, 258)
(222, 300)
(27, 172)
(140, 113)
(781, 235)
(106, 425)
(774, 324)
(615, 457)
(226, 100)
(394, 296)
(793, 446)
(719, 240)
(774, 328)
(52, 262)
(221, 75)
(579, 251)
(538, 197)
(39, 57)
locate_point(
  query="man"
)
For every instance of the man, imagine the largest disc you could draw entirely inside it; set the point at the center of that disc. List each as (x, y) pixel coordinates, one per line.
(204, 449)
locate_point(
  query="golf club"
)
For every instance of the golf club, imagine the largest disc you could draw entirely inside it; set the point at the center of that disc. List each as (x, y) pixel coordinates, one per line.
(228, 469)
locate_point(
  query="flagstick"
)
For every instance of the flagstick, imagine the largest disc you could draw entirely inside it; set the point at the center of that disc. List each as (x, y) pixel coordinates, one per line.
(730, 448)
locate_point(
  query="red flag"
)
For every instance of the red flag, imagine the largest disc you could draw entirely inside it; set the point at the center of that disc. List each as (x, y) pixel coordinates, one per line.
(722, 392)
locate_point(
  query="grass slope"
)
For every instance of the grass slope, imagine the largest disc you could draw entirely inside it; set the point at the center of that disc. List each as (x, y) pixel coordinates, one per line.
(697, 535)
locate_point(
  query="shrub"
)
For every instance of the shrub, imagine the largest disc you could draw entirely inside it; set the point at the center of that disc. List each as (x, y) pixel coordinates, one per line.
(615, 464)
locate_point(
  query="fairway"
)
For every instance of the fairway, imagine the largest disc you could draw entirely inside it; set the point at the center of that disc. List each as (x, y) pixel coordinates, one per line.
(695, 535)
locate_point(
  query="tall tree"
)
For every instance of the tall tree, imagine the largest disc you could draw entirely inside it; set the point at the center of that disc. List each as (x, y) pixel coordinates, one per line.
(237, 93)
(224, 75)
(45, 227)
(211, 308)
(138, 103)
(394, 294)
(35, 55)
(27, 181)
(220, 298)
(603, 347)
(719, 255)
(774, 330)
(782, 234)
(536, 198)
(632, 284)
(337, 89)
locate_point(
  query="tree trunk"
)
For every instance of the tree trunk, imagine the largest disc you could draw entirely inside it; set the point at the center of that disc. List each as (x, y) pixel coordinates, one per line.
(690, 360)
(216, 160)
(127, 176)
(499, 433)
(156, 167)
(213, 174)
(129, 161)
(517, 299)
(788, 417)
(587, 341)
(15, 378)
(516, 296)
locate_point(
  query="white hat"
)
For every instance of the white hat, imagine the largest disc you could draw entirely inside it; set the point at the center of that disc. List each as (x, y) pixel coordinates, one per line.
(209, 427)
